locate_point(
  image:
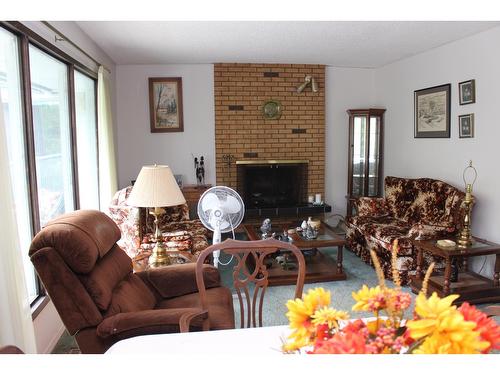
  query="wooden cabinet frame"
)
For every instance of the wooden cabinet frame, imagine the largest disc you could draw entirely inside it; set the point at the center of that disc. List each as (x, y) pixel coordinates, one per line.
(368, 114)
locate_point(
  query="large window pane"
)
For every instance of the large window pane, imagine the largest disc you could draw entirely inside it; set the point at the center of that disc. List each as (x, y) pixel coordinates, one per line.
(10, 93)
(49, 90)
(86, 141)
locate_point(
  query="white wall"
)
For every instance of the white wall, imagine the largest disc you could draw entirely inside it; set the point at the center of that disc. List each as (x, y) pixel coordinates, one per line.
(48, 325)
(346, 88)
(137, 146)
(476, 57)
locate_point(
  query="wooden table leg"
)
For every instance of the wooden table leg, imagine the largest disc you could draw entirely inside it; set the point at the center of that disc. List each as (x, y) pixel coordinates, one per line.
(339, 259)
(420, 259)
(496, 275)
(447, 275)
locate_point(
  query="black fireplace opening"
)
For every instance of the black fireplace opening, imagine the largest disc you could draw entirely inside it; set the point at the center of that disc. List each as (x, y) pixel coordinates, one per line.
(273, 185)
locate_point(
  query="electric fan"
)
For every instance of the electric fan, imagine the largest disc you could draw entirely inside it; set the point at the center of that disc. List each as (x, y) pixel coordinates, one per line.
(220, 209)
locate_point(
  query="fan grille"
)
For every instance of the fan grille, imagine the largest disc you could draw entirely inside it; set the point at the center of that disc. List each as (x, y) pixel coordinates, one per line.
(222, 193)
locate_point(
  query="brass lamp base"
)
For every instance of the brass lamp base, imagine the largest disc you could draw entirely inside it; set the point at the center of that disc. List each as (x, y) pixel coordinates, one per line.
(464, 240)
(159, 258)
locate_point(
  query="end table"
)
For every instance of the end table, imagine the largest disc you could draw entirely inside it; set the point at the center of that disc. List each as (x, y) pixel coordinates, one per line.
(471, 286)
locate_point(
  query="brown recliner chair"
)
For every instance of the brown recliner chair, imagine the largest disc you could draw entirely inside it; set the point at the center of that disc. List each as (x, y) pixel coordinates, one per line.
(100, 300)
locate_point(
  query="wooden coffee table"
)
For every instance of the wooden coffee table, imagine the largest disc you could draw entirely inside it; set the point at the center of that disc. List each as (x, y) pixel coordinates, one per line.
(471, 286)
(319, 267)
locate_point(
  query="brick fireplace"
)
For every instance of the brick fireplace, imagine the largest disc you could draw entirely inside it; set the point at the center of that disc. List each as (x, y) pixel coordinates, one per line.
(242, 134)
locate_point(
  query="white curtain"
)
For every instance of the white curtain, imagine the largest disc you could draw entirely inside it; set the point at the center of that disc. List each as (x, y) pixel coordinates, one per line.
(16, 325)
(107, 161)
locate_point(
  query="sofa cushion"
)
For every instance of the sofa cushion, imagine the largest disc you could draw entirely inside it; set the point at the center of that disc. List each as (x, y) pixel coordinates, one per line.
(384, 230)
(131, 294)
(219, 300)
(422, 200)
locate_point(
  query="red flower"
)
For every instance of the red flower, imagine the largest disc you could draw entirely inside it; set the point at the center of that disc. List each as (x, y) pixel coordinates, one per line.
(323, 332)
(487, 327)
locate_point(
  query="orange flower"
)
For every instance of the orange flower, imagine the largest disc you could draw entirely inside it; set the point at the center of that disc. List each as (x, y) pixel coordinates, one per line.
(347, 343)
(488, 329)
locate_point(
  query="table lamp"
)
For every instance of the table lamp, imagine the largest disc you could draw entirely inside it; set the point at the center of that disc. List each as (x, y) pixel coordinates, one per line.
(465, 237)
(155, 188)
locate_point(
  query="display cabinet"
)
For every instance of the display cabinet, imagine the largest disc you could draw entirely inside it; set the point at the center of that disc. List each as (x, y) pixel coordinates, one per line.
(366, 130)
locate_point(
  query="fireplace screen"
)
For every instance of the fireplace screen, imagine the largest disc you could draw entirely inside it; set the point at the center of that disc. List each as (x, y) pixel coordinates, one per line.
(273, 185)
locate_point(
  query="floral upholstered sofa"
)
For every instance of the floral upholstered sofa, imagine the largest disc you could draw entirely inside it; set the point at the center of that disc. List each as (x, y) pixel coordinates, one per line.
(420, 208)
(137, 228)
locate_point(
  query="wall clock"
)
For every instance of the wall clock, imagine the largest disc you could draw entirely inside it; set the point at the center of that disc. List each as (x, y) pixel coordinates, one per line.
(271, 110)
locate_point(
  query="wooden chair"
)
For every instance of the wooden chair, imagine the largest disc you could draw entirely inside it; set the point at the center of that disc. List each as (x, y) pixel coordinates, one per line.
(250, 269)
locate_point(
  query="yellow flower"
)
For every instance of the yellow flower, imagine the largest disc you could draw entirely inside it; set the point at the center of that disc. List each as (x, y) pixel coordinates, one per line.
(431, 311)
(368, 299)
(327, 315)
(300, 313)
(443, 328)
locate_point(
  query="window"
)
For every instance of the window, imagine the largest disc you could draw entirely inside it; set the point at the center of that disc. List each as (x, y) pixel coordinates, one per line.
(51, 129)
(52, 139)
(86, 137)
(12, 104)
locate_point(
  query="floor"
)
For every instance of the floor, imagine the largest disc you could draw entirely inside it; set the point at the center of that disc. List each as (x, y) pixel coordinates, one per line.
(358, 273)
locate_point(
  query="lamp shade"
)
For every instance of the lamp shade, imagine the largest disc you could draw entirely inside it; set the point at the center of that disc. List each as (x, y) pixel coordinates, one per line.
(156, 187)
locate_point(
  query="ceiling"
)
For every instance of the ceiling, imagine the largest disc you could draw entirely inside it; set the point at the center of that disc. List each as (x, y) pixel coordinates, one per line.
(343, 44)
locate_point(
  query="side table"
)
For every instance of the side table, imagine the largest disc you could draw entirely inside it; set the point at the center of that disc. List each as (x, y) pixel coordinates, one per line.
(471, 286)
(192, 193)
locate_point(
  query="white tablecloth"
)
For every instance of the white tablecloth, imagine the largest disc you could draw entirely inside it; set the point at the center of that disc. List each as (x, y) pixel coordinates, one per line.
(265, 340)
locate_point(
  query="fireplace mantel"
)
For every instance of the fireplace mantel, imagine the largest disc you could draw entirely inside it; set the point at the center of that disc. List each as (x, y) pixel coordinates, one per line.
(257, 162)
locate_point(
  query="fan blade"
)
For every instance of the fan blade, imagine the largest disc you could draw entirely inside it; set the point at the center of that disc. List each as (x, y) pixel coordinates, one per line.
(224, 225)
(231, 205)
(210, 202)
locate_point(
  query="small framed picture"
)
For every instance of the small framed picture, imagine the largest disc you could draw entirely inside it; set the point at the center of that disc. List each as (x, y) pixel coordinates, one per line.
(467, 91)
(466, 126)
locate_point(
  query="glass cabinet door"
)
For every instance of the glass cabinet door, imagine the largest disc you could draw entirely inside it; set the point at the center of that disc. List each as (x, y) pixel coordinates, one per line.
(365, 154)
(358, 156)
(374, 157)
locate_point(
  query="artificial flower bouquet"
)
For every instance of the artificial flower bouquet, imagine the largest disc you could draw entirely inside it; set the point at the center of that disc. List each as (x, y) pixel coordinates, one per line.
(436, 327)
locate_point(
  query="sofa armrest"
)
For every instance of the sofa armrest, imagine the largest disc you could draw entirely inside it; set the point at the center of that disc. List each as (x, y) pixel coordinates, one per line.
(368, 206)
(178, 280)
(130, 324)
(423, 231)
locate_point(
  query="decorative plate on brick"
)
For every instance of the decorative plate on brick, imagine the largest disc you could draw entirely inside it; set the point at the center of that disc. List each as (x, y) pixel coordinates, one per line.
(271, 110)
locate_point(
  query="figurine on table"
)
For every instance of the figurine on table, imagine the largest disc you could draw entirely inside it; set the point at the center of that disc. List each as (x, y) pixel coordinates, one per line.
(265, 228)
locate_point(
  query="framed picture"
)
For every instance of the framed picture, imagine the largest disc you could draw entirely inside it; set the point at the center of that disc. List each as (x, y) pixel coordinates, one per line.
(432, 112)
(165, 104)
(466, 126)
(467, 91)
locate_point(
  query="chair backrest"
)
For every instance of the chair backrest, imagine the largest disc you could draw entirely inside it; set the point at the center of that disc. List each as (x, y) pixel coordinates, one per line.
(86, 274)
(250, 269)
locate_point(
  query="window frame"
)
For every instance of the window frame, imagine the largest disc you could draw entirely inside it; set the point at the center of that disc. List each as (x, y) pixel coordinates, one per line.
(27, 37)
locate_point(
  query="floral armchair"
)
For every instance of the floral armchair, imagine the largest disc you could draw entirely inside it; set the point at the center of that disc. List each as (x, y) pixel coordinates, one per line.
(137, 228)
(418, 209)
